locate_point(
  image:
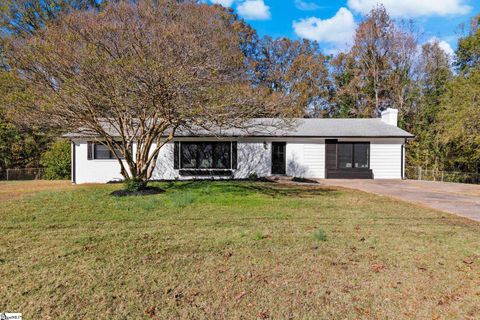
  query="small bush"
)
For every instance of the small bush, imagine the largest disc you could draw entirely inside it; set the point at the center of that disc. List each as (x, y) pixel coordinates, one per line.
(253, 176)
(132, 185)
(56, 161)
(320, 235)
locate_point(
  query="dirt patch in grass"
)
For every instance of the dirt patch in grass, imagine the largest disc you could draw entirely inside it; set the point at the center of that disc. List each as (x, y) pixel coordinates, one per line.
(236, 250)
(10, 190)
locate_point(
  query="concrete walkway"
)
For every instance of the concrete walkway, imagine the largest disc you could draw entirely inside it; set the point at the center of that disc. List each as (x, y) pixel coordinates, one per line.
(456, 198)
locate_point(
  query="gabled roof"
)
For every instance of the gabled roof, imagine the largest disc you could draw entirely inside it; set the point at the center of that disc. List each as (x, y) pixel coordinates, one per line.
(298, 127)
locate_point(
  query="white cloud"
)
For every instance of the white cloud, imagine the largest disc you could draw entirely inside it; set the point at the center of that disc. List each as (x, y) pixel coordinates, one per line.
(225, 3)
(254, 10)
(444, 45)
(306, 6)
(412, 8)
(338, 30)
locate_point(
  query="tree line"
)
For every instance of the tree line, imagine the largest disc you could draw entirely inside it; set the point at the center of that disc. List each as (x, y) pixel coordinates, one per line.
(241, 75)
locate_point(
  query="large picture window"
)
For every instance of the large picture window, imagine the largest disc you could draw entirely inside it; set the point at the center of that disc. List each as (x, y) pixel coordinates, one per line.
(353, 155)
(205, 155)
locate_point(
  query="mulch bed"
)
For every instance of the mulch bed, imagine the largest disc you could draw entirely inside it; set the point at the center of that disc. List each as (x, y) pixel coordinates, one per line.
(143, 192)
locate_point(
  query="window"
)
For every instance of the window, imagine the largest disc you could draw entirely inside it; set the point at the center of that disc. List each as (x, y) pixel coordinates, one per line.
(189, 155)
(221, 156)
(361, 155)
(345, 155)
(205, 155)
(98, 151)
(101, 152)
(353, 155)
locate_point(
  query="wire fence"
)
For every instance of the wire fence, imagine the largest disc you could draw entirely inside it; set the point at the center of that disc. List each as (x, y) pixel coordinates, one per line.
(21, 174)
(413, 173)
(419, 173)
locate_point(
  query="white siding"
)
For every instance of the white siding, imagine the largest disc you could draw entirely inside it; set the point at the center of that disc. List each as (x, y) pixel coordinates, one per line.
(314, 159)
(164, 169)
(306, 160)
(295, 162)
(93, 171)
(253, 156)
(386, 159)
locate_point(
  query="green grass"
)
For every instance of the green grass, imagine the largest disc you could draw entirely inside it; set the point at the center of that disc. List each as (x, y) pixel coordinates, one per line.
(320, 235)
(233, 250)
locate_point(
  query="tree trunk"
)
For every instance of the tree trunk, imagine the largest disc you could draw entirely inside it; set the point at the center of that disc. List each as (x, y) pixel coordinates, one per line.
(141, 170)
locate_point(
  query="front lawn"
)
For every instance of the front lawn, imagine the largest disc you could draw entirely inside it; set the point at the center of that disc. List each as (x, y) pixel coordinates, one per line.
(233, 250)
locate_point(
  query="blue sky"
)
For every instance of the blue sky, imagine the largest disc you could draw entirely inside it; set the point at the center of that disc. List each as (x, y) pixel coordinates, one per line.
(332, 23)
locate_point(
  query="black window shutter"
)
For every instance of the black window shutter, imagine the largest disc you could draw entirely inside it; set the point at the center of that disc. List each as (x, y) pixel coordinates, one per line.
(331, 154)
(176, 155)
(89, 150)
(234, 155)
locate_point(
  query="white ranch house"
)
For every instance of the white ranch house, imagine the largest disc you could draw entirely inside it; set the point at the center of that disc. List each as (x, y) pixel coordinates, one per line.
(307, 148)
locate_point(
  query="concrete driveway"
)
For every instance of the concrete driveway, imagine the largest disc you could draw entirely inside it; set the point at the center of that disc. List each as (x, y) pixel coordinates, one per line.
(456, 198)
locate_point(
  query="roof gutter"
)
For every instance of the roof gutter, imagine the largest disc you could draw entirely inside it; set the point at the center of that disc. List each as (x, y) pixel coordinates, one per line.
(258, 136)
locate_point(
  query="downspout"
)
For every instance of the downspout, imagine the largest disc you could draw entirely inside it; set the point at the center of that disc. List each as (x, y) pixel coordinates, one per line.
(403, 159)
(73, 168)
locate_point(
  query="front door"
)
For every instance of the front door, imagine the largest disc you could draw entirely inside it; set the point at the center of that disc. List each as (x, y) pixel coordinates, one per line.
(278, 157)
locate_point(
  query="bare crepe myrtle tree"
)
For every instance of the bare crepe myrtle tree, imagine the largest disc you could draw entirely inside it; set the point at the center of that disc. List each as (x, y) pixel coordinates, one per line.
(136, 73)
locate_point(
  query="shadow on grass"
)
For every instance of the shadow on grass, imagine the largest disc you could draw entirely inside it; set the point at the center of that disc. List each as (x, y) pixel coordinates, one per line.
(248, 187)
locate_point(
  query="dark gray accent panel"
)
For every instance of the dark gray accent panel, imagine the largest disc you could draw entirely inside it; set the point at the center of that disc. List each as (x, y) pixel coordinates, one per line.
(234, 155)
(176, 155)
(331, 154)
(206, 173)
(279, 160)
(90, 150)
(349, 174)
(332, 171)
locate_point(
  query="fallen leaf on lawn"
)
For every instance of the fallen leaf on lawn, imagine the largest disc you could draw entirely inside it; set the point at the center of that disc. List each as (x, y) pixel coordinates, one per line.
(241, 295)
(362, 311)
(377, 267)
(468, 261)
(150, 311)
